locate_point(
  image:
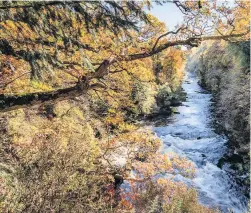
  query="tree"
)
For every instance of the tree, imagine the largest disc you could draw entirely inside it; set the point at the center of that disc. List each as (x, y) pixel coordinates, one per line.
(90, 40)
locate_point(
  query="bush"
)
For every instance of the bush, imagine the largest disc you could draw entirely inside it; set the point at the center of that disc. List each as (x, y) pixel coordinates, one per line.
(163, 97)
(143, 95)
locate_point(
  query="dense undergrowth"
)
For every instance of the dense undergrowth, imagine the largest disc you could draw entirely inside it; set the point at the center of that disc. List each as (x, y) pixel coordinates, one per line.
(73, 156)
(63, 159)
(224, 69)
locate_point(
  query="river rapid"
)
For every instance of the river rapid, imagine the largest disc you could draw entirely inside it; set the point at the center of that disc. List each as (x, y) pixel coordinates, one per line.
(190, 133)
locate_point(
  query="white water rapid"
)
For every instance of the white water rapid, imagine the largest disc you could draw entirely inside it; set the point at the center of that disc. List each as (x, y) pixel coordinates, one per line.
(190, 133)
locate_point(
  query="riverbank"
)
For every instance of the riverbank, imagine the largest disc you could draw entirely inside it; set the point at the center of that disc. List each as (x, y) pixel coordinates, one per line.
(223, 69)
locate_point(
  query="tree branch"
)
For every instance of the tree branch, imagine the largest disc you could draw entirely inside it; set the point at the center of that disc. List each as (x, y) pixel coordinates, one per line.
(11, 102)
(38, 4)
(166, 34)
(193, 41)
(9, 82)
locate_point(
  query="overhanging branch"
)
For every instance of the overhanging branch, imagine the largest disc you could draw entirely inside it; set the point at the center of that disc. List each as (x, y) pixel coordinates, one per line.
(13, 102)
(10, 102)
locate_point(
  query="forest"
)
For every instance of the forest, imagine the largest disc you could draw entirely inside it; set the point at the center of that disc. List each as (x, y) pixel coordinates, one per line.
(104, 109)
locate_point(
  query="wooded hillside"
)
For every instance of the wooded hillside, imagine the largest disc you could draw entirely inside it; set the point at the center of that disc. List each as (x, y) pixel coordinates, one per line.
(75, 77)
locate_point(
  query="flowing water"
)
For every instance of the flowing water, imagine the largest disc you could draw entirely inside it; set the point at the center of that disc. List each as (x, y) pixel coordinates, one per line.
(190, 133)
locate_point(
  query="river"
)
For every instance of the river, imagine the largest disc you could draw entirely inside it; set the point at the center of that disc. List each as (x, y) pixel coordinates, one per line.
(190, 133)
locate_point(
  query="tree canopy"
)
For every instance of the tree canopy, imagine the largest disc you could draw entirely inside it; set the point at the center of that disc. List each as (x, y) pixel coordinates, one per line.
(89, 40)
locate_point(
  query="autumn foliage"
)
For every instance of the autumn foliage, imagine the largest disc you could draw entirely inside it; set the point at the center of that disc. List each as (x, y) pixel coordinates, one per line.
(75, 77)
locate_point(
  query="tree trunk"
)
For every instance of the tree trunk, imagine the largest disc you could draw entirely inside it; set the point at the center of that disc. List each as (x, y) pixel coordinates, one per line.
(12, 102)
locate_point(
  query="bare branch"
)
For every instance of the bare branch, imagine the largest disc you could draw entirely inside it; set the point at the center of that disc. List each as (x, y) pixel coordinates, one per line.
(11, 81)
(166, 34)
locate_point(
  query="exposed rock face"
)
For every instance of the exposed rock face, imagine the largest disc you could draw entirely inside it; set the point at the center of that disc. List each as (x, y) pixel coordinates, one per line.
(224, 69)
